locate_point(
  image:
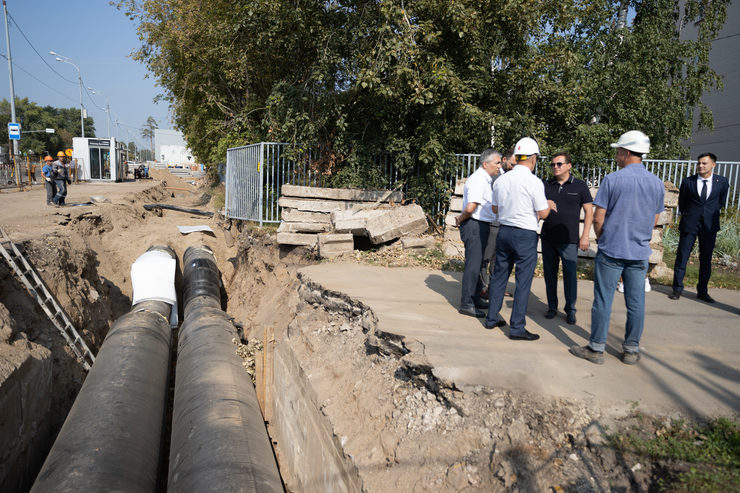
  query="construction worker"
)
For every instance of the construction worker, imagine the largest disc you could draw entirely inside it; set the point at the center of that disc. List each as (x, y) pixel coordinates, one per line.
(61, 178)
(48, 173)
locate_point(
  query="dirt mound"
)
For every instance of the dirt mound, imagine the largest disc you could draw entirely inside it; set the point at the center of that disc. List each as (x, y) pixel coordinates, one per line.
(170, 179)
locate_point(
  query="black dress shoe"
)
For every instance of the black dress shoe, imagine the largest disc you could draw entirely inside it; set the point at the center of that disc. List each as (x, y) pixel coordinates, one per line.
(705, 297)
(528, 336)
(472, 311)
(675, 295)
(571, 318)
(500, 323)
(550, 314)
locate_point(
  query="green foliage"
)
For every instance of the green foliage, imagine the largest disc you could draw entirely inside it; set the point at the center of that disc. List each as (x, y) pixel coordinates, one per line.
(65, 122)
(712, 453)
(422, 79)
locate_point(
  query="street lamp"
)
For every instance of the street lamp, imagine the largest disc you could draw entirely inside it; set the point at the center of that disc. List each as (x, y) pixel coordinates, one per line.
(107, 106)
(61, 58)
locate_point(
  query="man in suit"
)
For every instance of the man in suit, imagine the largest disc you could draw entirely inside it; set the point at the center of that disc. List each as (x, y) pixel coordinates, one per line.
(700, 199)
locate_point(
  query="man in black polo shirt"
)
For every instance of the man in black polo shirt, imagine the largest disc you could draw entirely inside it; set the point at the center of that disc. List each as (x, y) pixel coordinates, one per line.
(560, 238)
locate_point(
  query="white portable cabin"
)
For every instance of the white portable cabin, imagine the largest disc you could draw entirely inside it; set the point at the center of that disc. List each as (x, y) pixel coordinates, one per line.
(99, 159)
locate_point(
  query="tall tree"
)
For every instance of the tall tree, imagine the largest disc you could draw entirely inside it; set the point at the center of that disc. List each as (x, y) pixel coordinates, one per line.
(424, 78)
(147, 131)
(34, 119)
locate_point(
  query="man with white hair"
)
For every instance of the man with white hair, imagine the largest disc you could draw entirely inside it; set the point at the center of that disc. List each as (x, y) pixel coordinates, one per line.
(519, 200)
(627, 204)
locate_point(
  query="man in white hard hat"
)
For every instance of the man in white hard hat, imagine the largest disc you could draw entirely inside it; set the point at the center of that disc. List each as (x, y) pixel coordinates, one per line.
(627, 204)
(475, 222)
(519, 200)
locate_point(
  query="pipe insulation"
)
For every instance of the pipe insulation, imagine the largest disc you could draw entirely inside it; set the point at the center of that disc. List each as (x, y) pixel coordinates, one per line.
(219, 440)
(111, 439)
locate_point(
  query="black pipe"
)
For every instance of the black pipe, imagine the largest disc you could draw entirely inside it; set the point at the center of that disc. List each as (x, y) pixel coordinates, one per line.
(111, 439)
(219, 441)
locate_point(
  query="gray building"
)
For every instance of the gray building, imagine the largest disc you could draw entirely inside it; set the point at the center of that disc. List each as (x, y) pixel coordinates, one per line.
(724, 141)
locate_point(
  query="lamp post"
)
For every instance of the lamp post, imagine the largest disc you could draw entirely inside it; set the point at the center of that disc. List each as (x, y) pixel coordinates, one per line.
(61, 58)
(107, 106)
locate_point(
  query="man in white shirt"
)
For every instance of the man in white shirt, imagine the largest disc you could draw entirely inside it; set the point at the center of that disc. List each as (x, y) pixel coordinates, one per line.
(475, 222)
(519, 200)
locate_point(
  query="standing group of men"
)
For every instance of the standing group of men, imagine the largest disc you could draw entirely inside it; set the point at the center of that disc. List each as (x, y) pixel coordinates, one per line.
(56, 178)
(499, 223)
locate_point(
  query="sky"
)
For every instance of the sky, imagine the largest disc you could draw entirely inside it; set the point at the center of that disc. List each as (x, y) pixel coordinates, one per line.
(99, 39)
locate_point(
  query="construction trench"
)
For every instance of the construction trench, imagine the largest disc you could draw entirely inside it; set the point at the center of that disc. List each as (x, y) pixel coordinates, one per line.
(279, 361)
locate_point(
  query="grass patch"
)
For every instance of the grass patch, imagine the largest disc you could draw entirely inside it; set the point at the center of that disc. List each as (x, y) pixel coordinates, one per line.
(691, 457)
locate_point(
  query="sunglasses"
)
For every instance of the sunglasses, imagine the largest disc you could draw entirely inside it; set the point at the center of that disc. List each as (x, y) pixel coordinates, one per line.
(557, 164)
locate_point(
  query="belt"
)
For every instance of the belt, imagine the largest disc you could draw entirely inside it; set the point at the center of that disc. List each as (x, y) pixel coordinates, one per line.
(484, 222)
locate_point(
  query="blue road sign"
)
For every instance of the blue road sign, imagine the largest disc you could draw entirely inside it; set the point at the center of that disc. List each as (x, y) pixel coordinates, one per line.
(14, 131)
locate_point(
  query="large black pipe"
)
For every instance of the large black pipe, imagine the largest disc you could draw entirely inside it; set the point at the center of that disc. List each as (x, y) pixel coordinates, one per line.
(219, 441)
(111, 438)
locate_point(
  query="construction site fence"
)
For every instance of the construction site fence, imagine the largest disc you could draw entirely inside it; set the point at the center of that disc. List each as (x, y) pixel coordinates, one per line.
(254, 175)
(8, 173)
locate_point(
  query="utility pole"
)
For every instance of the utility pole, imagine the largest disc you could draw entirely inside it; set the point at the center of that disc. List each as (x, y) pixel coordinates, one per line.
(12, 95)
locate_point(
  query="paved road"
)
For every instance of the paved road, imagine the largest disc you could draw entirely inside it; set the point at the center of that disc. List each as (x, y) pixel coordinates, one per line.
(690, 349)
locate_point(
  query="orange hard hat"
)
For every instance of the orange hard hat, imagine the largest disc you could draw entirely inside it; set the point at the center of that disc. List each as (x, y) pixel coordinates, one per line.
(61, 154)
(48, 158)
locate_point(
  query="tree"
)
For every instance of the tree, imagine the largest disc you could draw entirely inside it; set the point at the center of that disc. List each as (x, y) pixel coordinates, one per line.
(422, 79)
(147, 131)
(31, 116)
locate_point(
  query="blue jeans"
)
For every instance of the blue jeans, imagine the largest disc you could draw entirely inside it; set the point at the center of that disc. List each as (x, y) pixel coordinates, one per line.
(552, 253)
(513, 246)
(607, 271)
(474, 235)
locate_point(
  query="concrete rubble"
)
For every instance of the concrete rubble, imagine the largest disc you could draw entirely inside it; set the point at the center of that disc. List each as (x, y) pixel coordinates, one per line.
(330, 218)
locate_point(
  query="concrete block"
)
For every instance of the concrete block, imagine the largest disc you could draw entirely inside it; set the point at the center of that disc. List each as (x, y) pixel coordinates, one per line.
(657, 237)
(333, 244)
(591, 234)
(452, 234)
(289, 227)
(456, 204)
(670, 187)
(294, 216)
(423, 243)
(661, 270)
(460, 187)
(349, 194)
(303, 239)
(670, 199)
(450, 220)
(656, 255)
(454, 249)
(354, 222)
(397, 222)
(665, 217)
(313, 205)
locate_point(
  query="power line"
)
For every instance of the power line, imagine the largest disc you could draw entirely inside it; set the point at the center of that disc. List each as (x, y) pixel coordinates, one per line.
(39, 54)
(39, 80)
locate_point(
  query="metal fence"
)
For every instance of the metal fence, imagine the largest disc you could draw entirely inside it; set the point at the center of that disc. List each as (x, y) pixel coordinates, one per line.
(256, 173)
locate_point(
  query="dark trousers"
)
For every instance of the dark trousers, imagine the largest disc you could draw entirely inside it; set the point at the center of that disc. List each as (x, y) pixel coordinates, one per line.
(552, 254)
(474, 234)
(51, 191)
(683, 252)
(488, 262)
(61, 191)
(513, 246)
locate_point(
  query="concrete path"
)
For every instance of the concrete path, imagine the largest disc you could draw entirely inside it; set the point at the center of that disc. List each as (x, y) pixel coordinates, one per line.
(690, 349)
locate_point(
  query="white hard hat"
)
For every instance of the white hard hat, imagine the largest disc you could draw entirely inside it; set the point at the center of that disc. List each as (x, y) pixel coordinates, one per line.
(526, 147)
(634, 141)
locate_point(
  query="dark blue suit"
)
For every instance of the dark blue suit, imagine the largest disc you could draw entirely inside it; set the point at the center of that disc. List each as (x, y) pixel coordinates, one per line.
(699, 219)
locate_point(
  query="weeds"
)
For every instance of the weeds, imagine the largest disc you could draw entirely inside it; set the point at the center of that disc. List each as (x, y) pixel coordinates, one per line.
(695, 457)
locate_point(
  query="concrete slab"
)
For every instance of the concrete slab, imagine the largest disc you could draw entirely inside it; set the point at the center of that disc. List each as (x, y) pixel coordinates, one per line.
(690, 349)
(351, 194)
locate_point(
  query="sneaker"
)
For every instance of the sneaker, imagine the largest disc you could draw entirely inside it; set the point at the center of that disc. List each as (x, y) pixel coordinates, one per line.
(620, 287)
(647, 285)
(585, 352)
(630, 357)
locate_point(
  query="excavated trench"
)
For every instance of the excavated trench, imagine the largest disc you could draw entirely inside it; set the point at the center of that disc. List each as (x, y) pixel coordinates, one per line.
(347, 406)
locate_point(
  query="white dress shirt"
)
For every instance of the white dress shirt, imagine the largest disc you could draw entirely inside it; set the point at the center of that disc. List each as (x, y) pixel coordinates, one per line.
(478, 190)
(518, 195)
